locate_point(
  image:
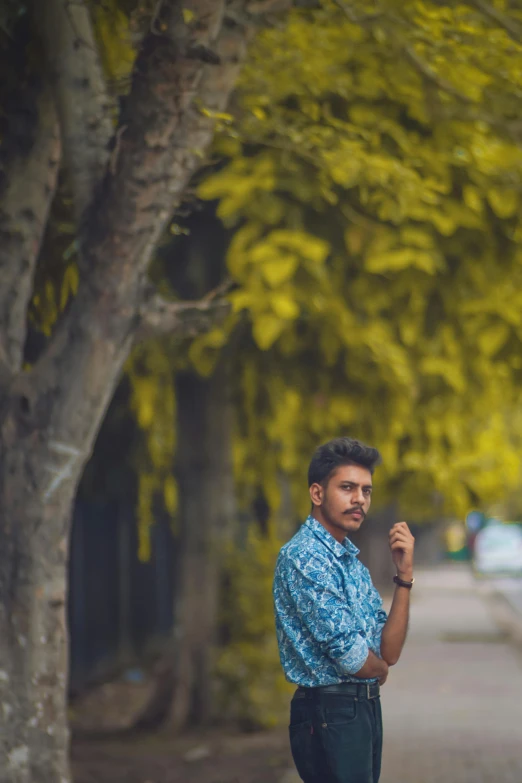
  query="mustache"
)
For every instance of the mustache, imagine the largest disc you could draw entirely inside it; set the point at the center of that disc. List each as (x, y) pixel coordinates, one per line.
(355, 508)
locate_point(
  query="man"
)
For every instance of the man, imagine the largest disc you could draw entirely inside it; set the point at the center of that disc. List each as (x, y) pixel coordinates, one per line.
(335, 641)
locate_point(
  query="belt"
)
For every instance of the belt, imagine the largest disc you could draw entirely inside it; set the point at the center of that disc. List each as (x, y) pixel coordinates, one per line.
(361, 691)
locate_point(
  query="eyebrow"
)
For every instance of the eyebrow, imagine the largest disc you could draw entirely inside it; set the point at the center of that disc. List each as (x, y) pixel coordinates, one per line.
(355, 484)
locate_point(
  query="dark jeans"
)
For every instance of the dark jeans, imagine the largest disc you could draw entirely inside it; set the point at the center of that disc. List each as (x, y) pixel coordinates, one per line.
(336, 738)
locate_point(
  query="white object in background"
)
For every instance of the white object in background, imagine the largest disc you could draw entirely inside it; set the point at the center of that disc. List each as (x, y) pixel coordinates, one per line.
(498, 550)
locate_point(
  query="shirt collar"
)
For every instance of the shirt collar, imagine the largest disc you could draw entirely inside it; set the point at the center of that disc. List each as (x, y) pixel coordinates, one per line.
(339, 550)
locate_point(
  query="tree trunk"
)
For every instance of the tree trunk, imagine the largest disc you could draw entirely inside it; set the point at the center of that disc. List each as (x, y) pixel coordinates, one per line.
(206, 499)
(30, 186)
(184, 686)
(39, 475)
(207, 507)
(33, 655)
(50, 413)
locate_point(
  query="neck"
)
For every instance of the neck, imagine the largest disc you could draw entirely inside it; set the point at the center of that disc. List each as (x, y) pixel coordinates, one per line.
(334, 531)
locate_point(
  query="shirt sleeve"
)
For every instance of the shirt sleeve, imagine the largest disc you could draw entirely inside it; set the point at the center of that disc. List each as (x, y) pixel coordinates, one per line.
(322, 608)
(380, 620)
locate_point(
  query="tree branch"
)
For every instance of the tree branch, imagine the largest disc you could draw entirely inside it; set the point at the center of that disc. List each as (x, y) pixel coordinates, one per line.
(423, 68)
(30, 183)
(81, 96)
(183, 319)
(180, 81)
(362, 20)
(427, 72)
(198, 128)
(70, 385)
(509, 25)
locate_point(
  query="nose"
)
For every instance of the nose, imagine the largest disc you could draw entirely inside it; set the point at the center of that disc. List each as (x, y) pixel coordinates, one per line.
(358, 497)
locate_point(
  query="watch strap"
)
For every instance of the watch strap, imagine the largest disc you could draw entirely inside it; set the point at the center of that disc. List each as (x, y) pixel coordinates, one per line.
(402, 583)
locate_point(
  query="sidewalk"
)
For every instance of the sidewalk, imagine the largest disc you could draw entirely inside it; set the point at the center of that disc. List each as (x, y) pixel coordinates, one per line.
(452, 708)
(453, 704)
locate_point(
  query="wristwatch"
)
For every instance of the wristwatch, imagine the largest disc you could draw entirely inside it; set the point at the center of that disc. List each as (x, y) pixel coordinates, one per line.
(402, 583)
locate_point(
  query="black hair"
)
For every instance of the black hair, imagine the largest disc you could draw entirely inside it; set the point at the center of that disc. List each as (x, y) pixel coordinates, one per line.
(340, 451)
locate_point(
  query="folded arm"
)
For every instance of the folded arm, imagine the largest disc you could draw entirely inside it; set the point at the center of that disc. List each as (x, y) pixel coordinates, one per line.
(324, 611)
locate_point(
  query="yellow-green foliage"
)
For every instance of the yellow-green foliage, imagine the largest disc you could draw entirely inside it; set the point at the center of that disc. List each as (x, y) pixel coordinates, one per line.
(113, 30)
(57, 273)
(52, 296)
(153, 401)
(374, 189)
(378, 244)
(252, 688)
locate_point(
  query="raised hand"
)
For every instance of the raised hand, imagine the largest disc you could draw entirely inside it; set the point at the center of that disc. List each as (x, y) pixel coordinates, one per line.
(402, 544)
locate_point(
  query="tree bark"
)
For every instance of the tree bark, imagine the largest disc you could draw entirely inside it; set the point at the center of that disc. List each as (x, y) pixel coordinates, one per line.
(30, 183)
(33, 648)
(81, 95)
(50, 414)
(184, 681)
(184, 691)
(207, 509)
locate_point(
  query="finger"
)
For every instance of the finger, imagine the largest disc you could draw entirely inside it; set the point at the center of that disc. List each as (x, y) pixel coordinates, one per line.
(407, 540)
(400, 531)
(401, 548)
(401, 534)
(402, 526)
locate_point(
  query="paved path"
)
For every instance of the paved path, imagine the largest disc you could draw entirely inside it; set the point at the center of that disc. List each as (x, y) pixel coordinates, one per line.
(511, 589)
(453, 705)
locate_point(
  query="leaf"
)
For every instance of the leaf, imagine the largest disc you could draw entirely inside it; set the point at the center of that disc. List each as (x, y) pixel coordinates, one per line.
(280, 269)
(472, 198)
(307, 245)
(241, 299)
(450, 371)
(397, 260)
(284, 306)
(266, 329)
(417, 237)
(204, 350)
(492, 339)
(113, 31)
(170, 494)
(504, 203)
(70, 283)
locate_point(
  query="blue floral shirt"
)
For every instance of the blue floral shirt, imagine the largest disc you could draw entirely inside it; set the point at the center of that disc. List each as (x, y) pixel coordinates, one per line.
(328, 613)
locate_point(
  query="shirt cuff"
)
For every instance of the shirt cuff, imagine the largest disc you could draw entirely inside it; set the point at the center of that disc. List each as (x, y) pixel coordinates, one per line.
(353, 660)
(375, 646)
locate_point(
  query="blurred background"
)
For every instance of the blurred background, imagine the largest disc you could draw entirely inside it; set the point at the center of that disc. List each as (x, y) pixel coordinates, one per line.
(362, 207)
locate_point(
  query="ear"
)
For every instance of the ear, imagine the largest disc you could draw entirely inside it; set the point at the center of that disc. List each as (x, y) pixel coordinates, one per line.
(316, 494)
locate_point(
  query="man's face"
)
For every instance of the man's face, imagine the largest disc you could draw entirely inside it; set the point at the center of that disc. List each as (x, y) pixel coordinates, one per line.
(342, 505)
